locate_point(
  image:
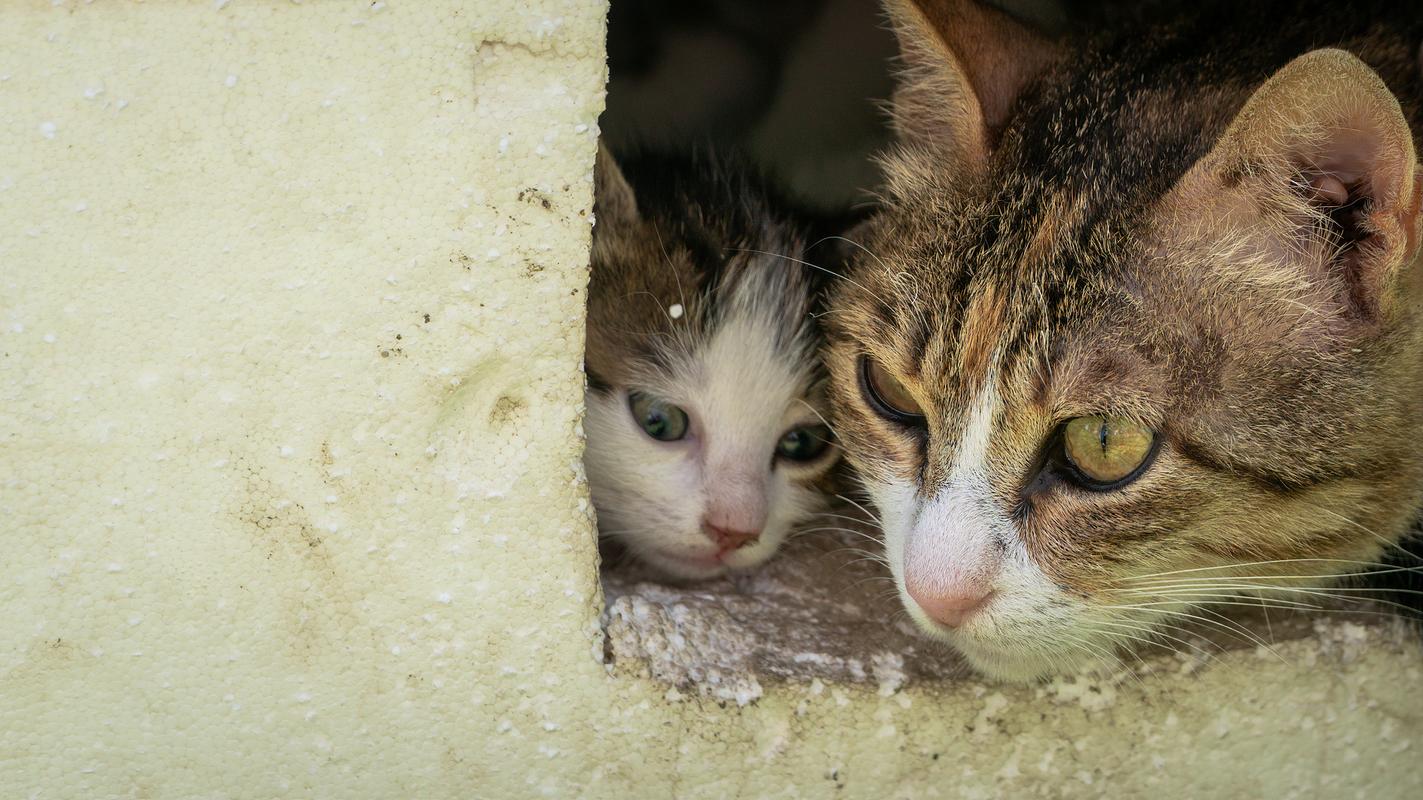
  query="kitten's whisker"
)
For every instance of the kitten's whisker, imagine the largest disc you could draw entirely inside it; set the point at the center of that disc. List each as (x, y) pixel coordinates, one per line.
(840, 516)
(667, 259)
(871, 579)
(861, 534)
(873, 517)
(855, 561)
(821, 416)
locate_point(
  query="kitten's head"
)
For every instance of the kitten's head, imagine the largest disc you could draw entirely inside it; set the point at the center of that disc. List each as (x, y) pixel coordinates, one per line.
(704, 421)
(1131, 338)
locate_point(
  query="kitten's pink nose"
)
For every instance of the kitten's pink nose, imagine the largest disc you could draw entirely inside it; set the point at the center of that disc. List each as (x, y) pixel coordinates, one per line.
(729, 539)
(949, 607)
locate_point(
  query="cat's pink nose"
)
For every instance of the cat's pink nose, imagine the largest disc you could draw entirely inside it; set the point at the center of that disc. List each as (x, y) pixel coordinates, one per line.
(949, 607)
(729, 539)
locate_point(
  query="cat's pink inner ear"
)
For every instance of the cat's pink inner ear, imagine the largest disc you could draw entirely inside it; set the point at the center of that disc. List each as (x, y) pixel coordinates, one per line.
(1364, 160)
(1328, 190)
(1324, 134)
(966, 65)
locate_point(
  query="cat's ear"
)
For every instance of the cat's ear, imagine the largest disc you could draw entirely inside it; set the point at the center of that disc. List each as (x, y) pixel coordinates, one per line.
(1325, 160)
(964, 66)
(613, 199)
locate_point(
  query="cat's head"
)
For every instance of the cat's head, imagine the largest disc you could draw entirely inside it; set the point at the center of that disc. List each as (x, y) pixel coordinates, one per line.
(704, 418)
(1129, 338)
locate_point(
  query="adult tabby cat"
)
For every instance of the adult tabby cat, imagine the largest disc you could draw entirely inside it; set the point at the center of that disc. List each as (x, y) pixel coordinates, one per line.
(1140, 325)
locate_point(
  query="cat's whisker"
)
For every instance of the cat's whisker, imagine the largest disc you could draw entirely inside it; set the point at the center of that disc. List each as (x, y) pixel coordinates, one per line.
(1218, 621)
(1106, 654)
(1245, 564)
(1141, 638)
(1184, 597)
(1388, 545)
(1405, 611)
(1239, 591)
(1248, 583)
(852, 243)
(805, 263)
(1130, 631)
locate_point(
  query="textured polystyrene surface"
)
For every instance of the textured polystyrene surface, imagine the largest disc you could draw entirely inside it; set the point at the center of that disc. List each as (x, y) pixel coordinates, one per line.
(291, 307)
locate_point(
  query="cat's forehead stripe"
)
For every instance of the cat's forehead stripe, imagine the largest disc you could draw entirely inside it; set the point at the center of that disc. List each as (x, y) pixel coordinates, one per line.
(982, 324)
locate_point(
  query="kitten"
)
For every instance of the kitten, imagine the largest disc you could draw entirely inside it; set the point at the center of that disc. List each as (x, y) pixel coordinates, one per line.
(705, 431)
(1143, 324)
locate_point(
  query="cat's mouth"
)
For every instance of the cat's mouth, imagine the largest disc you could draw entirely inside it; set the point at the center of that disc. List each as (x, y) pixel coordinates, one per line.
(688, 565)
(708, 564)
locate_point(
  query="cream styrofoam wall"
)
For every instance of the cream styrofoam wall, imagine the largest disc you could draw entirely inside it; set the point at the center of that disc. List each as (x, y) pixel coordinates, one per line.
(292, 310)
(291, 305)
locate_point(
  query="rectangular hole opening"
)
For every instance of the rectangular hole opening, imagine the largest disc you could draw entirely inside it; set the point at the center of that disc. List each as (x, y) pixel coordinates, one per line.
(800, 88)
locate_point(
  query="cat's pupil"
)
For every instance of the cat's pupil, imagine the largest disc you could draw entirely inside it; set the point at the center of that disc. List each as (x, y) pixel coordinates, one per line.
(1102, 436)
(660, 420)
(804, 444)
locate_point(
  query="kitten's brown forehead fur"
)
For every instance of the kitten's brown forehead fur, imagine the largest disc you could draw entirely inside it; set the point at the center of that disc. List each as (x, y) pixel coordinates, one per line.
(672, 247)
(1071, 275)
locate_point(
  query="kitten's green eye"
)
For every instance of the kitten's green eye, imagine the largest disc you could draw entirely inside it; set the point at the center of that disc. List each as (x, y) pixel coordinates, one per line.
(1107, 451)
(888, 396)
(804, 444)
(660, 420)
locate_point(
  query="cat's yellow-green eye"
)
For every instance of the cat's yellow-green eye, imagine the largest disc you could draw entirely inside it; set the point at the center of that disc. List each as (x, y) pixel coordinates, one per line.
(1106, 451)
(887, 396)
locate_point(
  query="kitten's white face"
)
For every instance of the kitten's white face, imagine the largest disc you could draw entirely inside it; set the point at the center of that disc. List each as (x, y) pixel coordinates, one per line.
(705, 466)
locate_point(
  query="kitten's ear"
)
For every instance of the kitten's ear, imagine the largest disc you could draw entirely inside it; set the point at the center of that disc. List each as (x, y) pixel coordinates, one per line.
(613, 200)
(965, 64)
(1326, 159)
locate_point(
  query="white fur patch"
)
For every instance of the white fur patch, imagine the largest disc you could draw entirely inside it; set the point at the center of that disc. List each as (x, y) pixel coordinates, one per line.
(1029, 627)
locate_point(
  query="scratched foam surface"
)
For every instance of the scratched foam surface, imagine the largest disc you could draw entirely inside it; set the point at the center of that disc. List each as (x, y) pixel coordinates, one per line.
(291, 313)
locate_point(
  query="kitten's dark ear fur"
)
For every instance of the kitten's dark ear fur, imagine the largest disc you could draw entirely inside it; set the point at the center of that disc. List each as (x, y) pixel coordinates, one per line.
(1325, 118)
(965, 64)
(613, 198)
